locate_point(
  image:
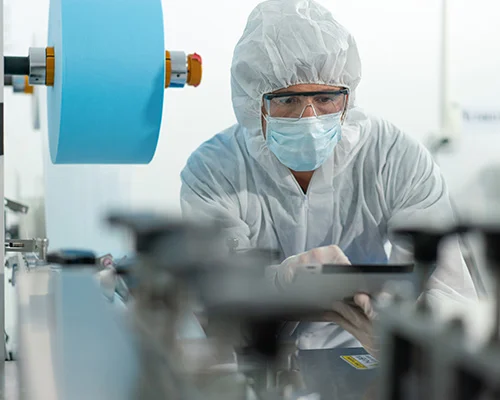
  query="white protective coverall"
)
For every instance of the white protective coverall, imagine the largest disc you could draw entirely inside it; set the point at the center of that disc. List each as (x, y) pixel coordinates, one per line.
(376, 176)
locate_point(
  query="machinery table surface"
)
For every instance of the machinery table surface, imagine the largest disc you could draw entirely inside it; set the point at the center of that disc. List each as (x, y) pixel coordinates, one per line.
(324, 371)
(9, 389)
(333, 378)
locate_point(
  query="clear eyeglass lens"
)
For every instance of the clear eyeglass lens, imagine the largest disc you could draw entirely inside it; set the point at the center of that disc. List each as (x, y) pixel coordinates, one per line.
(293, 106)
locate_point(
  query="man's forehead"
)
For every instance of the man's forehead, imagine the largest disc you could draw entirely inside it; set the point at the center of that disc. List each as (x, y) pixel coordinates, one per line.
(307, 88)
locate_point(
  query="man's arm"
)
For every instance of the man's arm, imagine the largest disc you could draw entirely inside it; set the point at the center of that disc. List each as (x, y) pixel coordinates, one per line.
(206, 194)
(417, 193)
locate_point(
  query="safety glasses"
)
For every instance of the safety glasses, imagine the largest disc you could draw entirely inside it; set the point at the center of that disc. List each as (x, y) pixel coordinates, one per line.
(293, 104)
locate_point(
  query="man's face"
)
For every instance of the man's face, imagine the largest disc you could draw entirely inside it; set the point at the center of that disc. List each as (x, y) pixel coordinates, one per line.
(308, 111)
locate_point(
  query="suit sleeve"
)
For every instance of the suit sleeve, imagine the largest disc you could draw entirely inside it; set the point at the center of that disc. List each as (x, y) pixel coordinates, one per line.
(207, 194)
(416, 194)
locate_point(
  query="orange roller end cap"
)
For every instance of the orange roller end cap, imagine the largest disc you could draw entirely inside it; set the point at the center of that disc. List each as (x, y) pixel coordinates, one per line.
(50, 66)
(168, 69)
(195, 70)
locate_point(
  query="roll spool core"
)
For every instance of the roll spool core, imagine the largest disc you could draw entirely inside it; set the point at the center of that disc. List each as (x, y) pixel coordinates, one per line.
(39, 67)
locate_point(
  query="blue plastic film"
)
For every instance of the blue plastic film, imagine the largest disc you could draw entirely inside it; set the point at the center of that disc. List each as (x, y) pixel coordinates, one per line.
(106, 103)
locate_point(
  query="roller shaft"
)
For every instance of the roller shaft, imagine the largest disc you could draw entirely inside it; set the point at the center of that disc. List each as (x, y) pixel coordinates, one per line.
(16, 65)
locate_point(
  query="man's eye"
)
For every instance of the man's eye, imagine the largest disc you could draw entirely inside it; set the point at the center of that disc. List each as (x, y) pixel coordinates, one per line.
(326, 99)
(288, 100)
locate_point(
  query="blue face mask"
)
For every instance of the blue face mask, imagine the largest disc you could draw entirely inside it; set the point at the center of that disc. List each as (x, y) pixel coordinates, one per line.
(304, 144)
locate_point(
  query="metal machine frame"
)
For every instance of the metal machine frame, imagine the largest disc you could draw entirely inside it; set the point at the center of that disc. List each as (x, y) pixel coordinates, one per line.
(2, 178)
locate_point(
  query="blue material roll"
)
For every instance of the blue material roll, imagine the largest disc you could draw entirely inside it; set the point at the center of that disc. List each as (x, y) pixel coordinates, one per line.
(106, 103)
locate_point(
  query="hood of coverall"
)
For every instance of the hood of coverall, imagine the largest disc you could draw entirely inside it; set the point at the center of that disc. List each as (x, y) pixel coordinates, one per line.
(285, 43)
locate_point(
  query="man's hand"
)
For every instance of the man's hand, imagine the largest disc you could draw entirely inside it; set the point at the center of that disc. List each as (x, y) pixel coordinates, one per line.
(107, 279)
(357, 319)
(287, 270)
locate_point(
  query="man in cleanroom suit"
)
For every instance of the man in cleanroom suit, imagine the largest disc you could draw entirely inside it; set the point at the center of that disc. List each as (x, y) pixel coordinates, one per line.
(309, 173)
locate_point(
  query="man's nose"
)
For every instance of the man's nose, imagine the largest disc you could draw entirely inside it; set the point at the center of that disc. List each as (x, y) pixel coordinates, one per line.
(308, 111)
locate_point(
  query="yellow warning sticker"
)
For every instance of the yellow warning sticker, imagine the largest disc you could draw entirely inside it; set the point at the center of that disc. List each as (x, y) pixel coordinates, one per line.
(362, 361)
